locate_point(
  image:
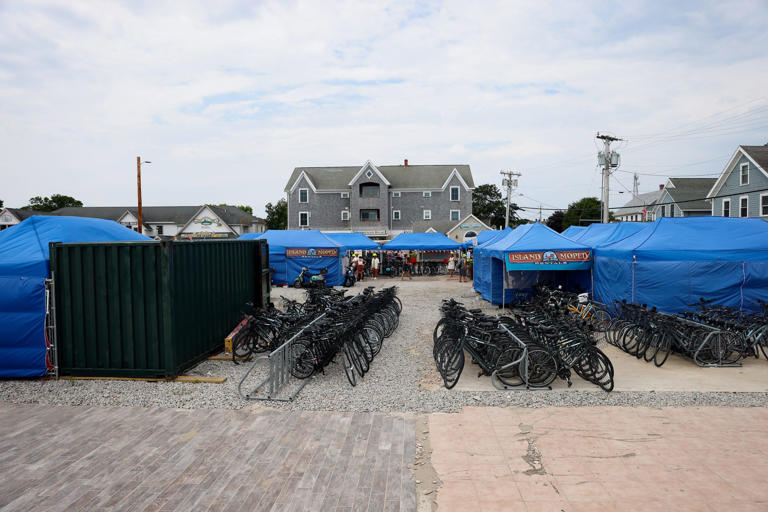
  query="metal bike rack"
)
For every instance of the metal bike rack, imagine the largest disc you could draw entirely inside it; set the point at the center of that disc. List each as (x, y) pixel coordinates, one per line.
(280, 363)
(715, 336)
(523, 367)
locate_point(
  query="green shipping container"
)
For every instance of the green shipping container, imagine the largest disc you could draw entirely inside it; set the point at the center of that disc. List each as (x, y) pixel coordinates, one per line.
(151, 309)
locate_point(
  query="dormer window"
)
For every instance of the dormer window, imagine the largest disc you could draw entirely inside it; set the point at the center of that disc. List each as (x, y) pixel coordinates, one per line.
(369, 190)
(744, 174)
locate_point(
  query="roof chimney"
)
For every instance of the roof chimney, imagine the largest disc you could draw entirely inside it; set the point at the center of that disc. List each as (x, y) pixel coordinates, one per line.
(406, 162)
(661, 187)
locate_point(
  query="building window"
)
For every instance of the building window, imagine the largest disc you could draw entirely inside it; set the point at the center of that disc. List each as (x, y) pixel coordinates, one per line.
(427, 214)
(663, 211)
(159, 230)
(455, 215)
(345, 215)
(369, 190)
(345, 195)
(395, 214)
(672, 210)
(744, 206)
(395, 194)
(426, 193)
(744, 174)
(369, 215)
(303, 195)
(303, 219)
(764, 204)
(726, 207)
(455, 194)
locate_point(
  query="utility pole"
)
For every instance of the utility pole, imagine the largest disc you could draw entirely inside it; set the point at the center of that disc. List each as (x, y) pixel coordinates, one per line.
(636, 187)
(509, 182)
(539, 212)
(138, 184)
(607, 159)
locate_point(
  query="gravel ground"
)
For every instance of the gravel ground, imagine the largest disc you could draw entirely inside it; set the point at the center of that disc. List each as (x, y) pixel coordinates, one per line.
(402, 377)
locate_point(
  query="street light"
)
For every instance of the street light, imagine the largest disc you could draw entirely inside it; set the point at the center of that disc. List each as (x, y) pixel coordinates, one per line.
(138, 184)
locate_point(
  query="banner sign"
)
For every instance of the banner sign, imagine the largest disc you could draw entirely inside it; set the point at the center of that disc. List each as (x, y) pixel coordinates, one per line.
(332, 252)
(549, 260)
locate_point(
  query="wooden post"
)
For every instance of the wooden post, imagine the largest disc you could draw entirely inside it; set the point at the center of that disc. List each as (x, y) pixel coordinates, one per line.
(138, 183)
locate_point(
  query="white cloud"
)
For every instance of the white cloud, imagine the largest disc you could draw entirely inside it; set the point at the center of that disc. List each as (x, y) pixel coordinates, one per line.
(227, 97)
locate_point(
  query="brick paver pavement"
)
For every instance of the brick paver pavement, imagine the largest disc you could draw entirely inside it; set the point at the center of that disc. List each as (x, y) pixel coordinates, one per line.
(628, 459)
(77, 458)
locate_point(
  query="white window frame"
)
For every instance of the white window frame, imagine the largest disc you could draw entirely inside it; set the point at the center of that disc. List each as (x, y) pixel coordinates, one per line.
(159, 230)
(396, 215)
(763, 212)
(663, 210)
(308, 217)
(427, 215)
(458, 193)
(345, 195)
(741, 175)
(740, 199)
(458, 215)
(344, 214)
(722, 208)
(426, 193)
(672, 209)
(395, 194)
(305, 190)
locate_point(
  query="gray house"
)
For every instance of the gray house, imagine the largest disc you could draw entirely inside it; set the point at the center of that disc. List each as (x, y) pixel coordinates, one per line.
(640, 207)
(742, 188)
(683, 197)
(379, 201)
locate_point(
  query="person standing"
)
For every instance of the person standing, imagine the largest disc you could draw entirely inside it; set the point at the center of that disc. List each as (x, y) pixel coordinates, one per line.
(375, 265)
(360, 266)
(406, 267)
(462, 266)
(451, 266)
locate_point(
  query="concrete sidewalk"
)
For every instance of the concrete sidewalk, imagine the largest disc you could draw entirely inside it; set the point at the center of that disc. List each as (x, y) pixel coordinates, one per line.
(604, 459)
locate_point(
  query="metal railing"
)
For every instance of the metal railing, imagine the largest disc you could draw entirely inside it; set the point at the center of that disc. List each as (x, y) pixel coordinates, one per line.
(280, 364)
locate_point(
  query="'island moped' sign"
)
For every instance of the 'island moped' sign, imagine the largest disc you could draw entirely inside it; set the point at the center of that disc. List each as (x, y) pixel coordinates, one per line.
(312, 253)
(549, 260)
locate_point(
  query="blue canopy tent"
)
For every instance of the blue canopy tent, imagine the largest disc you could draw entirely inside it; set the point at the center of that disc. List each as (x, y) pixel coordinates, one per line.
(24, 267)
(599, 234)
(532, 253)
(481, 261)
(573, 231)
(676, 261)
(353, 241)
(421, 242)
(290, 250)
(488, 234)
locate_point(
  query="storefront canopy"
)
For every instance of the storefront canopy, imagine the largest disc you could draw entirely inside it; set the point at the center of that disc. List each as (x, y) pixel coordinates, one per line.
(537, 247)
(353, 241)
(24, 267)
(676, 261)
(420, 242)
(292, 249)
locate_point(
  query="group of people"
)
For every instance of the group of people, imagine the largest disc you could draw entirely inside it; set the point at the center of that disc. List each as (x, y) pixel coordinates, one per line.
(358, 264)
(458, 262)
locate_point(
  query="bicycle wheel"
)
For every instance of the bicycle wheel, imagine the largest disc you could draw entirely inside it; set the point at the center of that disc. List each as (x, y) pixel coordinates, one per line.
(301, 358)
(510, 376)
(540, 367)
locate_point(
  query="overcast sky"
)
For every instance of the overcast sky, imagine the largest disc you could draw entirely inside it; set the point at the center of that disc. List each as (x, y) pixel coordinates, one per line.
(226, 98)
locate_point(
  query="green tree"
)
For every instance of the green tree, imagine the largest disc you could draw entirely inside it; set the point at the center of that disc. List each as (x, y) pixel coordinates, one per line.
(583, 212)
(1, 203)
(555, 221)
(489, 206)
(49, 204)
(277, 215)
(243, 207)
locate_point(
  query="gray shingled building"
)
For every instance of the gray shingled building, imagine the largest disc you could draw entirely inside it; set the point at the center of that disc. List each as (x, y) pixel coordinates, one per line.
(379, 201)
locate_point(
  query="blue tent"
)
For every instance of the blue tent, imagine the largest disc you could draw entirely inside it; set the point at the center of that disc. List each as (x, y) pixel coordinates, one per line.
(481, 260)
(420, 242)
(676, 261)
(532, 253)
(24, 267)
(486, 235)
(599, 234)
(290, 250)
(353, 241)
(573, 231)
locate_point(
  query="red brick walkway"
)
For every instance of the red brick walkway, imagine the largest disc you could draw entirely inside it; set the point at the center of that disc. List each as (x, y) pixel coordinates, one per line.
(601, 459)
